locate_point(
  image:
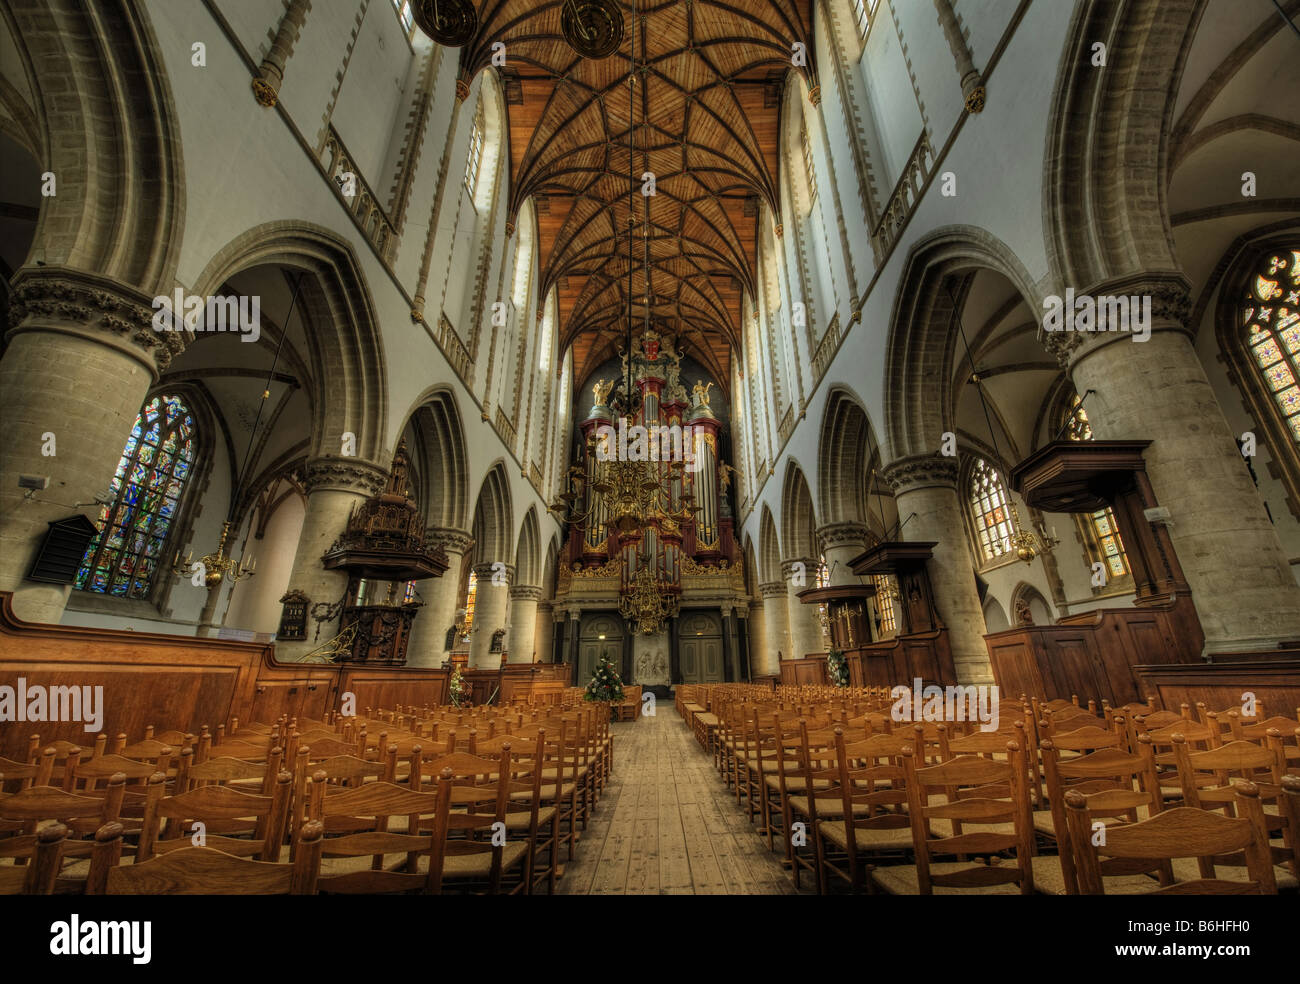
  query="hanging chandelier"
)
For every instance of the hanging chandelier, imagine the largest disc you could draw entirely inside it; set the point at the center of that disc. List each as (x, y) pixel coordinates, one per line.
(649, 603)
(217, 567)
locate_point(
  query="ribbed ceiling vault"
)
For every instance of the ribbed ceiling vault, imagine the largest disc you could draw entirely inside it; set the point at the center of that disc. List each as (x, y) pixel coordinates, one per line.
(705, 106)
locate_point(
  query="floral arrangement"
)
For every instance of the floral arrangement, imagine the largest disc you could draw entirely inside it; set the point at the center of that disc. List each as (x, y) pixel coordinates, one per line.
(838, 668)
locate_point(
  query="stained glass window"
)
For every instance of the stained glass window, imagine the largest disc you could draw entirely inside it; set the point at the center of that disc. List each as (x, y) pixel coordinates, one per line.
(1271, 318)
(158, 458)
(1104, 528)
(990, 511)
(469, 604)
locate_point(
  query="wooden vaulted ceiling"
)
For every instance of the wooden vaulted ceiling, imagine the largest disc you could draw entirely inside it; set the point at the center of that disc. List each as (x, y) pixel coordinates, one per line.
(704, 106)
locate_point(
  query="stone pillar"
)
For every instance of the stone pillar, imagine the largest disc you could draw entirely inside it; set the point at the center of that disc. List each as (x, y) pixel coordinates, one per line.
(972, 82)
(334, 486)
(266, 83)
(491, 605)
(755, 635)
(805, 625)
(1157, 390)
(571, 628)
(441, 600)
(521, 640)
(544, 633)
(82, 356)
(925, 491)
(840, 543)
(776, 618)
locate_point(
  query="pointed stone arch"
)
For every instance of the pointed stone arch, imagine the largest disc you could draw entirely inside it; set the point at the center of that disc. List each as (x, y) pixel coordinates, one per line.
(528, 571)
(493, 523)
(103, 96)
(436, 438)
(848, 465)
(769, 547)
(798, 521)
(924, 340)
(347, 364)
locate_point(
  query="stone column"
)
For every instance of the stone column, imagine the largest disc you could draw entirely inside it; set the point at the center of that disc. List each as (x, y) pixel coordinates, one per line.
(82, 356)
(491, 605)
(755, 634)
(266, 83)
(925, 491)
(334, 486)
(571, 628)
(841, 543)
(441, 600)
(804, 623)
(544, 633)
(1157, 390)
(972, 82)
(521, 641)
(776, 619)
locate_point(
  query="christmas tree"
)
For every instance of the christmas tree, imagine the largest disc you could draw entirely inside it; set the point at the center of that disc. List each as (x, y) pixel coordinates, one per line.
(605, 684)
(838, 668)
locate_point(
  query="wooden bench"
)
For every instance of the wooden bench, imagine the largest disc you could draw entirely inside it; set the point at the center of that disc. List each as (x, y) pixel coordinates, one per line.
(629, 708)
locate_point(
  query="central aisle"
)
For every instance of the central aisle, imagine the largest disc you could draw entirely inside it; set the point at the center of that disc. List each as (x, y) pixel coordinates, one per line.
(667, 826)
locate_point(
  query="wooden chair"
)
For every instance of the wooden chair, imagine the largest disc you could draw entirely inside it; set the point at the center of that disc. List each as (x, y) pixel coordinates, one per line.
(526, 817)
(242, 824)
(46, 859)
(1108, 769)
(366, 812)
(22, 813)
(871, 821)
(1180, 832)
(1228, 765)
(989, 792)
(24, 775)
(201, 870)
(810, 789)
(468, 809)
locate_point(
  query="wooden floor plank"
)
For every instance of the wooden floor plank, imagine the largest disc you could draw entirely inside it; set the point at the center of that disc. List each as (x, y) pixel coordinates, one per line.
(666, 824)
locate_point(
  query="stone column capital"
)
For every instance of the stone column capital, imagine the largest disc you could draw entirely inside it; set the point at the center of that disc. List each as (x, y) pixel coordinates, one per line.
(920, 471)
(773, 589)
(488, 572)
(344, 474)
(847, 533)
(809, 568)
(525, 593)
(451, 540)
(63, 299)
(1102, 314)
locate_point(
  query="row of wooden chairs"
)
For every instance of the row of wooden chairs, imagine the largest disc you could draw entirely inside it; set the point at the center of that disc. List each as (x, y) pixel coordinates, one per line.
(248, 806)
(866, 792)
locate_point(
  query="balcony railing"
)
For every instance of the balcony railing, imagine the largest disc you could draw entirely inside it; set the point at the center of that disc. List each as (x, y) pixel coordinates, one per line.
(362, 203)
(906, 194)
(454, 349)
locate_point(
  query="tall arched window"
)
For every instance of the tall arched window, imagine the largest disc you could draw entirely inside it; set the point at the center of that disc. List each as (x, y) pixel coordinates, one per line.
(990, 511)
(1271, 319)
(475, 158)
(471, 595)
(1100, 532)
(146, 489)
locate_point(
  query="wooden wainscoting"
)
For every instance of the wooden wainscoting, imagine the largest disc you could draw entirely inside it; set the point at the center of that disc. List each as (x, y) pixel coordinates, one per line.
(1274, 680)
(182, 681)
(807, 672)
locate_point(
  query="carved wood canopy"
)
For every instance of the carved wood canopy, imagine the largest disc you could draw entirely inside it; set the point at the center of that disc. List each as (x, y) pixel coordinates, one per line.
(705, 105)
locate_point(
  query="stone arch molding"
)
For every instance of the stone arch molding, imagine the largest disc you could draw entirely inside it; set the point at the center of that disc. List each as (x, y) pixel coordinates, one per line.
(348, 360)
(923, 338)
(1104, 188)
(439, 438)
(108, 129)
(493, 523)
